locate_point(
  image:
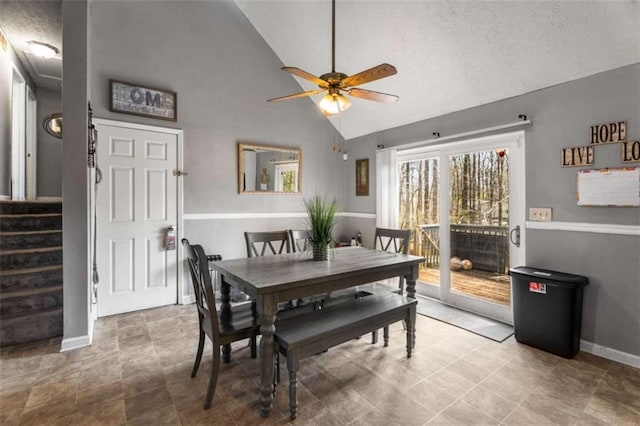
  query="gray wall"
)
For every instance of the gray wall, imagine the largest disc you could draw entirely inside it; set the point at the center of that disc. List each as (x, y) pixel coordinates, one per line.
(561, 117)
(74, 169)
(6, 75)
(49, 157)
(223, 73)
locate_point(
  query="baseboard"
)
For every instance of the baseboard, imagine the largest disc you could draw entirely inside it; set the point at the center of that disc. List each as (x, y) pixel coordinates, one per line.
(5, 197)
(609, 353)
(50, 199)
(188, 299)
(75, 343)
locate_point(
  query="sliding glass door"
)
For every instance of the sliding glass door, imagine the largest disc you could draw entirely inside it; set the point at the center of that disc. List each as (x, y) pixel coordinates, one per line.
(463, 202)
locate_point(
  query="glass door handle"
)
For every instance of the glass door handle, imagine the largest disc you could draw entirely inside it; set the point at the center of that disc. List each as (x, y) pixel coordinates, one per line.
(514, 236)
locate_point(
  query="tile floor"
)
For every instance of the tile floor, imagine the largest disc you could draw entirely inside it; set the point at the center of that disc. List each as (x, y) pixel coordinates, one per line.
(137, 372)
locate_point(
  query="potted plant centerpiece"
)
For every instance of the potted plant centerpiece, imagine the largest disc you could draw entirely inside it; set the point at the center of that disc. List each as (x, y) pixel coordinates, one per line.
(322, 220)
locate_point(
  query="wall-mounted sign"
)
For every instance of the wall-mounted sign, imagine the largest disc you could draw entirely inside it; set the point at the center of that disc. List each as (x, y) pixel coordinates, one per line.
(362, 177)
(145, 101)
(609, 187)
(631, 152)
(609, 133)
(577, 156)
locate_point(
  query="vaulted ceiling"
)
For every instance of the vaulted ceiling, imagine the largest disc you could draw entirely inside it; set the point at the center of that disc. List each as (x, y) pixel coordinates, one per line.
(450, 55)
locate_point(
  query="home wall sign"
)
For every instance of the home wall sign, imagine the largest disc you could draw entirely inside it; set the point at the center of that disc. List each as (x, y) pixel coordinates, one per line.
(362, 177)
(631, 152)
(151, 102)
(609, 133)
(577, 156)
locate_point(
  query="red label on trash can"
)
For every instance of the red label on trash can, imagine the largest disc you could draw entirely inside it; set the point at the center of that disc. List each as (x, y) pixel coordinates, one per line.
(537, 287)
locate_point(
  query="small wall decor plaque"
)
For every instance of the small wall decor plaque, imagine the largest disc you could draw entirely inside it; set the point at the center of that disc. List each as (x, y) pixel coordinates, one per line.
(609, 133)
(362, 177)
(151, 102)
(631, 152)
(577, 156)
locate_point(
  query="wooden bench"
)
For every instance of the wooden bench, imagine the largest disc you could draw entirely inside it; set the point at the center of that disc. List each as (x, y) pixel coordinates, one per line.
(316, 331)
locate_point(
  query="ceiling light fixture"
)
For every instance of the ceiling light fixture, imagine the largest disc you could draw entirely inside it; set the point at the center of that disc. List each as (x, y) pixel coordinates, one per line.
(42, 50)
(334, 102)
(336, 82)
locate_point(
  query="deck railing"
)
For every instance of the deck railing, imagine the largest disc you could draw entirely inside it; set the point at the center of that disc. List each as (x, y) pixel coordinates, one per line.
(486, 246)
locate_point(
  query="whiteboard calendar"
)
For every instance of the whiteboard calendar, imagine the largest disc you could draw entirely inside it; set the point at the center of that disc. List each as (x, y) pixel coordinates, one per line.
(609, 187)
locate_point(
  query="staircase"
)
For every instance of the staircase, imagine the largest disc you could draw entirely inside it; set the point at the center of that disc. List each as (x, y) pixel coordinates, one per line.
(30, 271)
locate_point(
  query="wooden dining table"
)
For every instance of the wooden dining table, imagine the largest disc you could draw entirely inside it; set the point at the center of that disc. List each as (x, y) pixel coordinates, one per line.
(269, 280)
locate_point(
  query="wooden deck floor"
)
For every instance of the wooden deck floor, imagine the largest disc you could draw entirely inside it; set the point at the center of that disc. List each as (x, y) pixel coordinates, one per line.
(484, 285)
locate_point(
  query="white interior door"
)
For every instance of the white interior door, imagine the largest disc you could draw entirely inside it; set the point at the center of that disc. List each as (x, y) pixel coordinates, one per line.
(136, 203)
(32, 145)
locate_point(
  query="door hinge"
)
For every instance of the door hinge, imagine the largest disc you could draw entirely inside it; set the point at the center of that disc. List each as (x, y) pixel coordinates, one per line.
(179, 173)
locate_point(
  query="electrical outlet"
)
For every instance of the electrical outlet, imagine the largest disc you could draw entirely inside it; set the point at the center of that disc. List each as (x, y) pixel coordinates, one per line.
(540, 214)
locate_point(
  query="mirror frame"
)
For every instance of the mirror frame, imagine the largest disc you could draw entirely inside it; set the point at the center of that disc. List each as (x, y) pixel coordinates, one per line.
(242, 146)
(48, 125)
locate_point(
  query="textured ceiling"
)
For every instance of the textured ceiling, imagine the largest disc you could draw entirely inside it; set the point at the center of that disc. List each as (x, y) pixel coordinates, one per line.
(23, 21)
(449, 55)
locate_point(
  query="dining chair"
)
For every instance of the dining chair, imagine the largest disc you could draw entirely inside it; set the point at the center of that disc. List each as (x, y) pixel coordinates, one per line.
(240, 324)
(395, 240)
(299, 240)
(267, 243)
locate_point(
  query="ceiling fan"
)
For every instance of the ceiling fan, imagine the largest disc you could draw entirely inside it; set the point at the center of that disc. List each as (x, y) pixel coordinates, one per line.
(336, 82)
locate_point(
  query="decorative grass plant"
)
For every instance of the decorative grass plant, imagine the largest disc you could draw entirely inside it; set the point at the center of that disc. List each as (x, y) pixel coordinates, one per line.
(322, 220)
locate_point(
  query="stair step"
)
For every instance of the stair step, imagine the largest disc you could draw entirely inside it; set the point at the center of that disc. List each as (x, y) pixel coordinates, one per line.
(30, 222)
(24, 279)
(30, 327)
(30, 239)
(28, 207)
(29, 301)
(30, 258)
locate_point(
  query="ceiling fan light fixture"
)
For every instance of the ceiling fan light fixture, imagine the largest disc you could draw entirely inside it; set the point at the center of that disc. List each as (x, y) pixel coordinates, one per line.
(334, 104)
(42, 50)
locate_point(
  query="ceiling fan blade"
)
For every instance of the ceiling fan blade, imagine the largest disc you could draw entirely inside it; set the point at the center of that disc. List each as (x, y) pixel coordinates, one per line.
(372, 74)
(307, 76)
(296, 95)
(370, 95)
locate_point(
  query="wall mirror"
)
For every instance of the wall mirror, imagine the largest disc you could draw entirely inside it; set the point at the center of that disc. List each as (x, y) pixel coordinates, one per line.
(266, 169)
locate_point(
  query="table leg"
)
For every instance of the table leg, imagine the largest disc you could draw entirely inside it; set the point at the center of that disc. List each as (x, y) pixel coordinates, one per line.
(225, 302)
(267, 309)
(411, 292)
(411, 286)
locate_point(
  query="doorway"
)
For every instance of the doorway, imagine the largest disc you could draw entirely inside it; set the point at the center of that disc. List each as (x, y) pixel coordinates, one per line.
(465, 204)
(18, 136)
(138, 200)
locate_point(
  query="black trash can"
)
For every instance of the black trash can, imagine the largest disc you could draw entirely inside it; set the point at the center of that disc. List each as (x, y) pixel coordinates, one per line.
(547, 309)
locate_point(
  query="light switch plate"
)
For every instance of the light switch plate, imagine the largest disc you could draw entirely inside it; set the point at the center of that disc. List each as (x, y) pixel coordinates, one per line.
(540, 214)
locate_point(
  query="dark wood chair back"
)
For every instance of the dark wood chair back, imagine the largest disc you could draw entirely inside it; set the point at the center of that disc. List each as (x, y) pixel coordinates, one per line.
(267, 243)
(299, 240)
(396, 240)
(205, 297)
